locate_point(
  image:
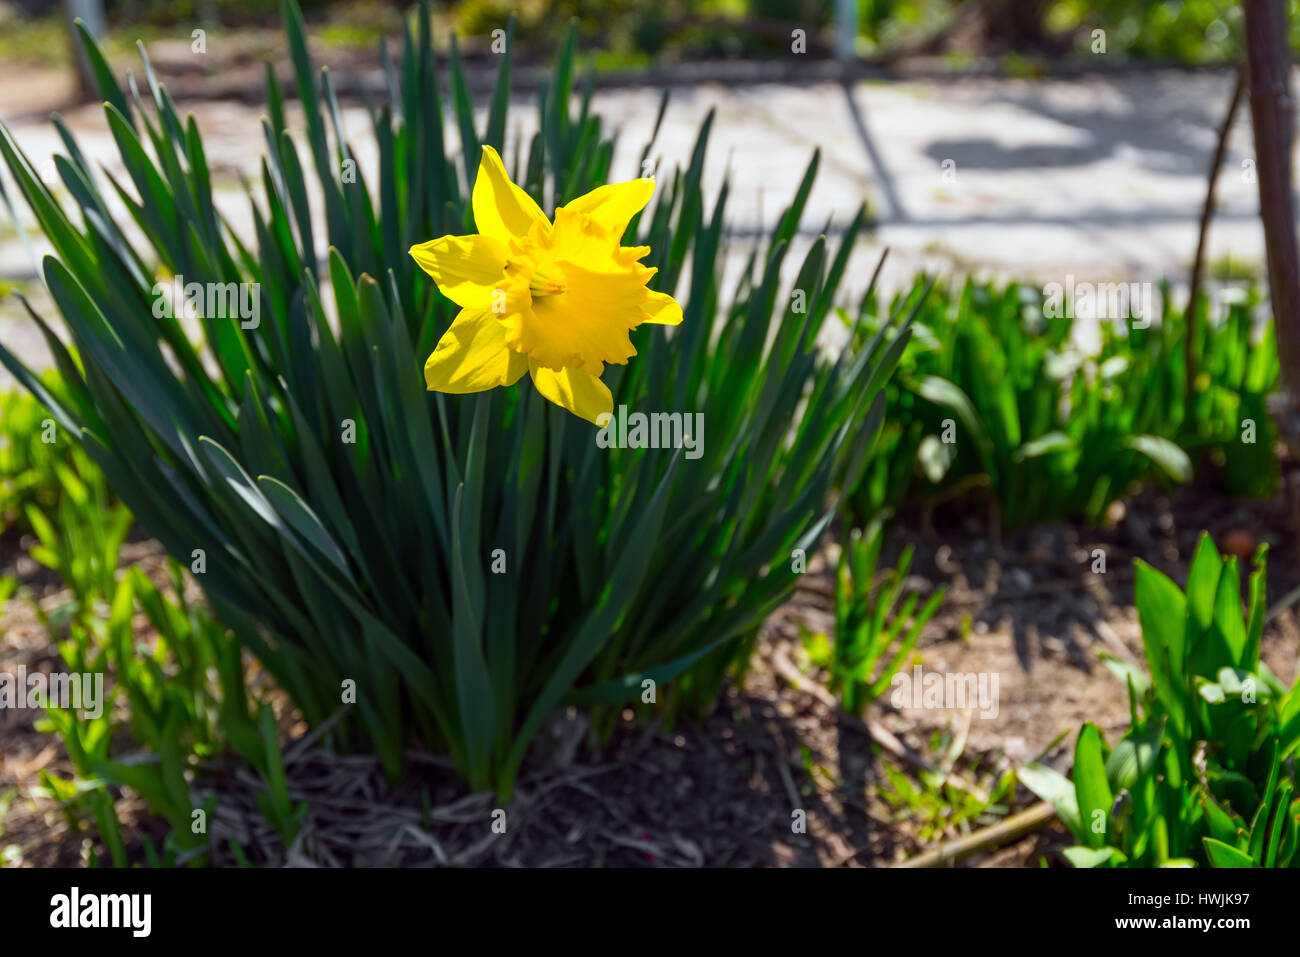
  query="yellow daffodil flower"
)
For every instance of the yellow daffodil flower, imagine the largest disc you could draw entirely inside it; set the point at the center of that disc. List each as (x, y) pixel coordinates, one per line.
(555, 300)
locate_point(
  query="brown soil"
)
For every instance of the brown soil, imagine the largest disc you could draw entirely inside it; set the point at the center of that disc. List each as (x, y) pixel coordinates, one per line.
(727, 792)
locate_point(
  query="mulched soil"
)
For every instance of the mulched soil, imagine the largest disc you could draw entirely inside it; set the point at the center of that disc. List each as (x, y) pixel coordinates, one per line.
(728, 791)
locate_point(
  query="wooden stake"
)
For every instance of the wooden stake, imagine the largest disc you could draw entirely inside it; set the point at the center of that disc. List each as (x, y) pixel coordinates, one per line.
(1271, 117)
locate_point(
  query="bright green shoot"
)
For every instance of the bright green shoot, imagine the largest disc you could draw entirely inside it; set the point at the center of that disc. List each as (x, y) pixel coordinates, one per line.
(873, 633)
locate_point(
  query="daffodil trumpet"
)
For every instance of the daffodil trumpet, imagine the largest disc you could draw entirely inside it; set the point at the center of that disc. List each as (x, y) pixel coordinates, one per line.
(556, 300)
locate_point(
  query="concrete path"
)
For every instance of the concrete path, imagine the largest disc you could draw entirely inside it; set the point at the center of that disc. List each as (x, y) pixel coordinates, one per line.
(1101, 178)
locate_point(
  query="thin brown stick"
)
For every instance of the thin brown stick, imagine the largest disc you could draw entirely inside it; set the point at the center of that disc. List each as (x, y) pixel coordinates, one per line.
(1207, 211)
(1016, 826)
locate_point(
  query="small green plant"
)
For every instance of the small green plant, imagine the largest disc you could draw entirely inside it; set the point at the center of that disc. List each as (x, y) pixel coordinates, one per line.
(33, 448)
(1273, 836)
(1205, 774)
(80, 540)
(995, 394)
(181, 701)
(873, 634)
(178, 701)
(938, 805)
(1227, 422)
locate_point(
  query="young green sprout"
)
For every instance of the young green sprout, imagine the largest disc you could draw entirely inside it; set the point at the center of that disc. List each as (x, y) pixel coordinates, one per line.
(873, 633)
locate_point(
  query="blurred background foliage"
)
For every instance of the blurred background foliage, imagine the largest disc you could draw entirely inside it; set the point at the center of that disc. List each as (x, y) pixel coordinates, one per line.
(629, 33)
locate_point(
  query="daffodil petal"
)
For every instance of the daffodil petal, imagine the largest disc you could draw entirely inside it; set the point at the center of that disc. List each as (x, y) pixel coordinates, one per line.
(466, 268)
(613, 206)
(472, 356)
(501, 209)
(662, 309)
(580, 392)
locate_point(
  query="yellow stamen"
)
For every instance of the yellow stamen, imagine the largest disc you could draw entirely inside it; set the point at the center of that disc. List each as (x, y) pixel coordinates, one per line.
(539, 284)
